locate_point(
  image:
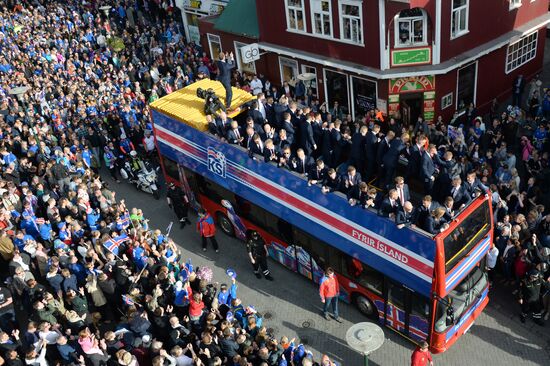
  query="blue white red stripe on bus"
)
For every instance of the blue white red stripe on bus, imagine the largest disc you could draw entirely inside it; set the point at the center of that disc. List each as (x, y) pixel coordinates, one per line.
(310, 210)
(466, 315)
(458, 273)
(395, 318)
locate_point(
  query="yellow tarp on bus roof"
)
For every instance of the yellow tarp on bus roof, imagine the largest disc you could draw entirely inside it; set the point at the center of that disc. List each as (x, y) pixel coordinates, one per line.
(184, 105)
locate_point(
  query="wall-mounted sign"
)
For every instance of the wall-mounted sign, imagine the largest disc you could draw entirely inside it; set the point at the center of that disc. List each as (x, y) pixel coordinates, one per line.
(412, 84)
(411, 56)
(194, 34)
(193, 4)
(250, 53)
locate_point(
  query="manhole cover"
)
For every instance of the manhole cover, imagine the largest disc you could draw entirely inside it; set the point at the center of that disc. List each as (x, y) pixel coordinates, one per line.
(268, 315)
(308, 323)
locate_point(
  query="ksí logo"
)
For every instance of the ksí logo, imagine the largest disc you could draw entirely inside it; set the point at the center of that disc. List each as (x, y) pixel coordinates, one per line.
(216, 162)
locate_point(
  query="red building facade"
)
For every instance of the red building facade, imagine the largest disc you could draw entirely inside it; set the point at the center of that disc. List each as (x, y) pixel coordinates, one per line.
(412, 57)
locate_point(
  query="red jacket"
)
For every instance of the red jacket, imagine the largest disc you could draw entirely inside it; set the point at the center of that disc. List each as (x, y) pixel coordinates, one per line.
(420, 358)
(195, 308)
(329, 287)
(206, 226)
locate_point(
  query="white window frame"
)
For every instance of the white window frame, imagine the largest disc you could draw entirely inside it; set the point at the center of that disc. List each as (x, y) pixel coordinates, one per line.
(447, 101)
(313, 70)
(359, 4)
(411, 20)
(238, 46)
(327, 100)
(295, 10)
(316, 7)
(458, 10)
(521, 52)
(514, 4)
(288, 61)
(214, 38)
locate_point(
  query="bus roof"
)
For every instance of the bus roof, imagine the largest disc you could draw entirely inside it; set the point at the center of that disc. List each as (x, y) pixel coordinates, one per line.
(184, 105)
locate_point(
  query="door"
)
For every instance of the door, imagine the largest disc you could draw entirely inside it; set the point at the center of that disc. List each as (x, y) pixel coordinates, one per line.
(336, 89)
(412, 106)
(407, 312)
(288, 69)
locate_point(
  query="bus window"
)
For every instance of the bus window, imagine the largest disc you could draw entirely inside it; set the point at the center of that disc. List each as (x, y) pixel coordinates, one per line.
(364, 275)
(420, 306)
(171, 168)
(311, 254)
(214, 191)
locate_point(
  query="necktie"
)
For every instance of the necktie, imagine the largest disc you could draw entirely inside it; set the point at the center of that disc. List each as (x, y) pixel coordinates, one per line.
(401, 196)
(237, 134)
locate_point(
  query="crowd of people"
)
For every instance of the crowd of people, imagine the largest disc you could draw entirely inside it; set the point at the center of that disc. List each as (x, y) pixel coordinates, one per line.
(86, 281)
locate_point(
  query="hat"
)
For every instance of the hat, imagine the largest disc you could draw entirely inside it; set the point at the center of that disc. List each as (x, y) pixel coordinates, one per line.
(231, 273)
(24, 184)
(133, 153)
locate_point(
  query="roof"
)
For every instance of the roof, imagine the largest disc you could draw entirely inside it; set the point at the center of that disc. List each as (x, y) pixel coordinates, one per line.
(184, 105)
(239, 17)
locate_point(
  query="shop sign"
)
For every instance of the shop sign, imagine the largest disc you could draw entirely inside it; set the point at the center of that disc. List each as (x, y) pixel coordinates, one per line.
(411, 56)
(192, 4)
(382, 105)
(429, 95)
(429, 106)
(393, 98)
(412, 84)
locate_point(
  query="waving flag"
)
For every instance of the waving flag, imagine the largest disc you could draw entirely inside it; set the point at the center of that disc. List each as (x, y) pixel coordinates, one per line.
(127, 300)
(124, 221)
(113, 244)
(240, 229)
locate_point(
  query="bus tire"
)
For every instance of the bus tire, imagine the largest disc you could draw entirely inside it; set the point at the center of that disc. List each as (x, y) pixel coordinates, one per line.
(365, 306)
(225, 224)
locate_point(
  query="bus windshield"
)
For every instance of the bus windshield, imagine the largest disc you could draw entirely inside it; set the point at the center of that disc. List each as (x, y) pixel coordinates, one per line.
(466, 235)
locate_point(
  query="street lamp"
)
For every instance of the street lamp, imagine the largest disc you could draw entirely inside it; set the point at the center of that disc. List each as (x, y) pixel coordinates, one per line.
(365, 338)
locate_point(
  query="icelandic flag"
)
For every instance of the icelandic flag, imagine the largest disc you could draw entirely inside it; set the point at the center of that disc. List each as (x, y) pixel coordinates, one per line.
(240, 229)
(124, 221)
(113, 244)
(127, 300)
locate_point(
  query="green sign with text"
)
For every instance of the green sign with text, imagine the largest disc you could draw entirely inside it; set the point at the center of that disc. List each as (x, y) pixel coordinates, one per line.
(411, 56)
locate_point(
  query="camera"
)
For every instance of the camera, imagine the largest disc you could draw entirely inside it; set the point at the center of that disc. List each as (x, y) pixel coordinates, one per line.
(212, 102)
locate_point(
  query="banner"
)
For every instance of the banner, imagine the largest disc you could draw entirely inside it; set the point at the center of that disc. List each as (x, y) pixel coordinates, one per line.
(240, 229)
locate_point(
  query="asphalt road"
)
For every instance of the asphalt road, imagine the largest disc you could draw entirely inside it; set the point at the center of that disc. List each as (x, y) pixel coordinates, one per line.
(291, 305)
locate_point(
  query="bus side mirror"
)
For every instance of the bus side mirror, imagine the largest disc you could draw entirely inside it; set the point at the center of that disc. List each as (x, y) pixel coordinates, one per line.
(450, 318)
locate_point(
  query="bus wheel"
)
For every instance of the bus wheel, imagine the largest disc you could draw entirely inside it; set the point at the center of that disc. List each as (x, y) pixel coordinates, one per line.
(225, 224)
(366, 306)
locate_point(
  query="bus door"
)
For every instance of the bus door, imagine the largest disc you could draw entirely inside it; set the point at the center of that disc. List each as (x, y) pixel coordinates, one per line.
(407, 312)
(189, 185)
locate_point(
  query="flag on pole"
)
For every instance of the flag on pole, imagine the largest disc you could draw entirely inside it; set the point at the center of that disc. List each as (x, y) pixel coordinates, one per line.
(113, 244)
(123, 221)
(169, 228)
(127, 300)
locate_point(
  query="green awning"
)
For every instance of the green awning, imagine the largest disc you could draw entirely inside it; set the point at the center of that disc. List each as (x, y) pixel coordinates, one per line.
(239, 17)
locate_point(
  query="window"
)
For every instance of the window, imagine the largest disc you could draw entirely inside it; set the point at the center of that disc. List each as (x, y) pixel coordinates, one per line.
(171, 168)
(466, 86)
(364, 275)
(351, 21)
(295, 15)
(249, 67)
(288, 69)
(321, 17)
(447, 101)
(521, 52)
(514, 4)
(312, 84)
(410, 28)
(215, 46)
(459, 18)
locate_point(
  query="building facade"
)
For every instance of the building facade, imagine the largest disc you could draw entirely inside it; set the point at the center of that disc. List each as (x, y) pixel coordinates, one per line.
(407, 57)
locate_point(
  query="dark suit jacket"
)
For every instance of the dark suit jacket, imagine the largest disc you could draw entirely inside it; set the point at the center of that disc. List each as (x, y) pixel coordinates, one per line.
(432, 226)
(391, 157)
(318, 175)
(303, 168)
(381, 151)
(414, 161)
(267, 154)
(257, 117)
(371, 147)
(270, 115)
(289, 131)
(471, 189)
(427, 166)
(406, 192)
(306, 136)
(404, 218)
(358, 147)
(231, 137)
(224, 71)
(386, 208)
(460, 197)
(421, 213)
(256, 149)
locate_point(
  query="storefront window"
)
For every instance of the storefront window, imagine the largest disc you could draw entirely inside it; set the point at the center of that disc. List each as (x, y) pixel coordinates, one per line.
(337, 89)
(364, 95)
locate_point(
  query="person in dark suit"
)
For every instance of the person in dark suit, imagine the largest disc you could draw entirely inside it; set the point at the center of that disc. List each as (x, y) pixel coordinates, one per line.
(435, 223)
(402, 189)
(270, 152)
(473, 185)
(257, 127)
(286, 158)
(326, 145)
(332, 182)
(357, 154)
(220, 125)
(317, 173)
(458, 193)
(288, 127)
(390, 205)
(371, 148)
(405, 216)
(257, 146)
(517, 90)
(225, 64)
(428, 169)
(281, 140)
(350, 180)
(317, 126)
(422, 212)
(413, 166)
(445, 176)
(381, 151)
(391, 158)
(448, 205)
(255, 114)
(301, 163)
(233, 135)
(306, 140)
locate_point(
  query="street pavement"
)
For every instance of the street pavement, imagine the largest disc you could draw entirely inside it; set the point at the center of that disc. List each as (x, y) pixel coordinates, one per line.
(291, 305)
